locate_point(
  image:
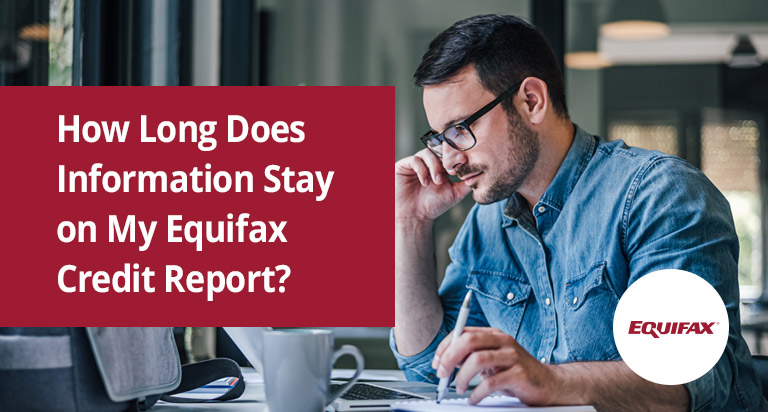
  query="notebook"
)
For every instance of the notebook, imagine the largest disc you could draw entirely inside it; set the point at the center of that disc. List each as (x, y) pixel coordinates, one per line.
(490, 404)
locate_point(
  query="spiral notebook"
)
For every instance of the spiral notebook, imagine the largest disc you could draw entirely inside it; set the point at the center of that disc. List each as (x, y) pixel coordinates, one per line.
(490, 404)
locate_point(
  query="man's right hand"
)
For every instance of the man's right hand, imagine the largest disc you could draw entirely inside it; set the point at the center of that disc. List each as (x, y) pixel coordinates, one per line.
(423, 190)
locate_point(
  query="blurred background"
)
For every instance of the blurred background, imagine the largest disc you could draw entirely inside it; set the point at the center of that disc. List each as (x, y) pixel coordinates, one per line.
(682, 76)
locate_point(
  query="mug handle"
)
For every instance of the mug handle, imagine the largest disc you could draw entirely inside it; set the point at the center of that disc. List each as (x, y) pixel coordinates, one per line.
(360, 364)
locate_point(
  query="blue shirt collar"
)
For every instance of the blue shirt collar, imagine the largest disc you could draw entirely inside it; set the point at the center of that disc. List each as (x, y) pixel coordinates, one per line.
(557, 193)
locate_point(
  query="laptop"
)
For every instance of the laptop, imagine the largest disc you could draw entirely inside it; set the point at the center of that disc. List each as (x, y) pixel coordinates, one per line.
(378, 396)
(365, 396)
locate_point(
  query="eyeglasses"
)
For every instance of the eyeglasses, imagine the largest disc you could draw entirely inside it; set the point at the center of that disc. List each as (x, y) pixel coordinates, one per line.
(460, 136)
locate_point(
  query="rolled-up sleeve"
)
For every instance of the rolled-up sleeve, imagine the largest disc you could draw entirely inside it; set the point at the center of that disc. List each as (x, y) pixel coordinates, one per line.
(419, 367)
(732, 376)
(713, 385)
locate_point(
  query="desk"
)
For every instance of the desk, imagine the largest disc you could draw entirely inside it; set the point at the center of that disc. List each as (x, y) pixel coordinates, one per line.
(252, 400)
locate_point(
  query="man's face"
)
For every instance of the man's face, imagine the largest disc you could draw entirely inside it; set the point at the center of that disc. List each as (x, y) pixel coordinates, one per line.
(506, 149)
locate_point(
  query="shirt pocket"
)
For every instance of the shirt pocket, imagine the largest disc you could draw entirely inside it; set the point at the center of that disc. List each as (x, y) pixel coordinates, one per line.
(502, 296)
(590, 302)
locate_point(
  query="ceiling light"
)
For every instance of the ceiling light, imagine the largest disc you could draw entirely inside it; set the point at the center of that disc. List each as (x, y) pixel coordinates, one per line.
(635, 20)
(586, 60)
(583, 53)
(744, 55)
(35, 32)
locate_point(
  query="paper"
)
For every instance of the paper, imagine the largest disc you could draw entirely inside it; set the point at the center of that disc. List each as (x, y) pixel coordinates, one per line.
(490, 404)
(210, 391)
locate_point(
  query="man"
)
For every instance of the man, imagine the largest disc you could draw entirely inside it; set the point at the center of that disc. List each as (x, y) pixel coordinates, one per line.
(565, 223)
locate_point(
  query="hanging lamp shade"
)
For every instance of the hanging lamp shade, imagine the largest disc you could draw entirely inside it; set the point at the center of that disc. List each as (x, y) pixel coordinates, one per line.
(582, 46)
(635, 20)
(744, 55)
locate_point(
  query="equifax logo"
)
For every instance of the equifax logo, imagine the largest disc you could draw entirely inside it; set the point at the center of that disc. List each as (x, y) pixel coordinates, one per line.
(637, 327)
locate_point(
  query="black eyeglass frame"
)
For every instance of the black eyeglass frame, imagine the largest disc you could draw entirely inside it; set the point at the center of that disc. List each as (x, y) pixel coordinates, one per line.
(471, 119)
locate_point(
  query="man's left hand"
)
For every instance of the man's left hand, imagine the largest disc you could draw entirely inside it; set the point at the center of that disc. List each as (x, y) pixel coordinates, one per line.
(504, 365)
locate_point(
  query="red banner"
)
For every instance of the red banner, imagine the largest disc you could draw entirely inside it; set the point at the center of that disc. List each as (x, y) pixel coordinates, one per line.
(197, 206)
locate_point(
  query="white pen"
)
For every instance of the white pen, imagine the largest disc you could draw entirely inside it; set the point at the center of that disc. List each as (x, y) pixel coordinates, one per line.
(461, 321)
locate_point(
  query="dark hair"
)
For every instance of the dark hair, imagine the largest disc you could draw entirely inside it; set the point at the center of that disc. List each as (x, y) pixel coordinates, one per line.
(504, 50)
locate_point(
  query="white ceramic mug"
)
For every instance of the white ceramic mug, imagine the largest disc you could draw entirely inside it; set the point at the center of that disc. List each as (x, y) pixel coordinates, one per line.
(297, 369)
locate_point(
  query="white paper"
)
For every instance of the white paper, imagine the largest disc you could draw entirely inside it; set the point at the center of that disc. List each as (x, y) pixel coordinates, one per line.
(490, 404)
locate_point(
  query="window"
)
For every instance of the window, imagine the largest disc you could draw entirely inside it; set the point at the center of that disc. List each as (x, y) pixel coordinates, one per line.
(661, 137)
(730, 158)
(60, 46)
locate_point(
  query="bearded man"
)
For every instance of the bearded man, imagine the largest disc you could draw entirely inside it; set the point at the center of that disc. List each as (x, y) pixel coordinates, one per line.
(564, 223)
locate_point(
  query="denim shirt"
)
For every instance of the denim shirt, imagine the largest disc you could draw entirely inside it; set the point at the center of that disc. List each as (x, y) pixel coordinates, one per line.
(552, 278)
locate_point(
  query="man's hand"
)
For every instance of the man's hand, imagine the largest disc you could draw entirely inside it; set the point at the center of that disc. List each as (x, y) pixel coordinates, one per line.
(423, 190)
(504, 365)
(508, 368)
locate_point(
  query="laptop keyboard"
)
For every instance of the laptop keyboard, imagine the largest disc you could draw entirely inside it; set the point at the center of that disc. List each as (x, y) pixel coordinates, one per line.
(364, 392)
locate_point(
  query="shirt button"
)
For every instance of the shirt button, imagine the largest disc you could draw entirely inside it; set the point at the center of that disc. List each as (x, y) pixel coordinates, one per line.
(542, 209)
(547, 301)
(575, 300)
(510, 296)
(543, 360)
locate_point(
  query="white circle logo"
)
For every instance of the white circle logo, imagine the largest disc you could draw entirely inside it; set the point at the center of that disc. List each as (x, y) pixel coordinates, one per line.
(670, 327)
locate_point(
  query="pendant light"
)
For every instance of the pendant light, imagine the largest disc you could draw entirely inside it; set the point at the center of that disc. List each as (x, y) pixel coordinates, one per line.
(635, 20)
(744, 55)
(582, 51)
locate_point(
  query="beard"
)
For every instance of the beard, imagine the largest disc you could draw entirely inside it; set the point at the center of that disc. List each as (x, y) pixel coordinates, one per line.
(522, 155)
